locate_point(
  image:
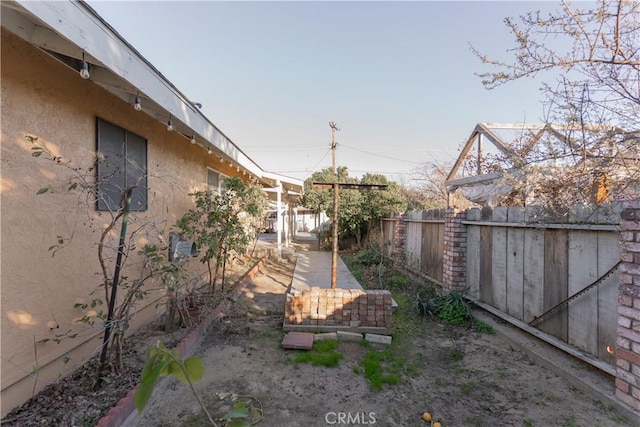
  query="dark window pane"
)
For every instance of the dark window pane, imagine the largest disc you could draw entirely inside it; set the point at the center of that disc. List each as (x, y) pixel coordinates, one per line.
(122, 162)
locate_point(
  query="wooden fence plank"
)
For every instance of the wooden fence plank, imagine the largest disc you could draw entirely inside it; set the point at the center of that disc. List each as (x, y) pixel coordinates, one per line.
(515, 264)
(608, 256)
(414, 240)
(533, 273)
(583, 270)
(555, 282)
(473, 254)
(499, 260)
(486, 261)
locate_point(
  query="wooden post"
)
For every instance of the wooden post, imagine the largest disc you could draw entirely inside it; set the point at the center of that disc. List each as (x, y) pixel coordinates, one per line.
(336, 203)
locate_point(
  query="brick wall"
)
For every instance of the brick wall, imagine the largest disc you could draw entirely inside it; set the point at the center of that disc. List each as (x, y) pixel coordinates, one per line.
(454, 265)
(400, 234)
(352, 308)
(628, 343)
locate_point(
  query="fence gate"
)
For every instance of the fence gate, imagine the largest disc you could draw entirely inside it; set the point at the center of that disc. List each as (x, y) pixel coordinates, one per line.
(555, 274)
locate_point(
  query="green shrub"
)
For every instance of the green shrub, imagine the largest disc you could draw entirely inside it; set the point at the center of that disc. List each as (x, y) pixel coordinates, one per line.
(425, 299)
(396, 279)
(368, 256)
(452, 308)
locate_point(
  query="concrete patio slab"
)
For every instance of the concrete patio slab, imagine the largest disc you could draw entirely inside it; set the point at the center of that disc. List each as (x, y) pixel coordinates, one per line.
(313, 268)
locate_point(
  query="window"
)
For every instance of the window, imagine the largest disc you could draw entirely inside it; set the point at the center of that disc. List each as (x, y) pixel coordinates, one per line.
(215, 181)
(122, 162)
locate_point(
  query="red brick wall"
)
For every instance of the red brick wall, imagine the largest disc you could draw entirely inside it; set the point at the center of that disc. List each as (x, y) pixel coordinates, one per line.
(454, 264)
(628, 344)
(339, 307)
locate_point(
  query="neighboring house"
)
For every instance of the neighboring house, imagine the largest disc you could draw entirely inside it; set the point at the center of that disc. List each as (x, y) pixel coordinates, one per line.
(520, 164)
(44, 96)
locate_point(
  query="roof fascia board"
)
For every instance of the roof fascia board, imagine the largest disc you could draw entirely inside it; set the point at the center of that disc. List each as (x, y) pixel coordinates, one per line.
(292, 182)
(78, 23)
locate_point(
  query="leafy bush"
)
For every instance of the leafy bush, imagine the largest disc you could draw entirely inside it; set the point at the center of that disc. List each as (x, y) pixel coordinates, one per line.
(425, 299)
(368, 256)
(396, 279)
(452, 308)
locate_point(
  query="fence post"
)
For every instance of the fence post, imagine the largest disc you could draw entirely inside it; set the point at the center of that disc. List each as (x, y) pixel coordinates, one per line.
(400, 237)
(628, 343)
(454, 260)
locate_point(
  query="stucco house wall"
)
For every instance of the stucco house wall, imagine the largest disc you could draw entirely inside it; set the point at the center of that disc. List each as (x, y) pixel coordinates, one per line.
(48, 100)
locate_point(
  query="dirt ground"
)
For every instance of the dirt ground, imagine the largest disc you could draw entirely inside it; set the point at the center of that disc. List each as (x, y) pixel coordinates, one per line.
(462, 377)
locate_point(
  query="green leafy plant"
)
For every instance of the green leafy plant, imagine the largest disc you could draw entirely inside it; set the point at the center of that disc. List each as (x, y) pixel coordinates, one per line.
(113, 255)
(244, 411)
(425, 300)
(222, 224)
(453, 309)
(162, 362)
(482, 327)
(368, 256)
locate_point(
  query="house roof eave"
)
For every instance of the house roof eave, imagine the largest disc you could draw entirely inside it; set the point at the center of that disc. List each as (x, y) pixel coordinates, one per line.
(70, 28)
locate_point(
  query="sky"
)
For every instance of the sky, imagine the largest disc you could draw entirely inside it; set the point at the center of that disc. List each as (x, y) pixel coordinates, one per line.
(398, 78)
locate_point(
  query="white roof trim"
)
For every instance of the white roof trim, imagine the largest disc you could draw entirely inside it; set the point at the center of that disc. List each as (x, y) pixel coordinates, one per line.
(78, 23)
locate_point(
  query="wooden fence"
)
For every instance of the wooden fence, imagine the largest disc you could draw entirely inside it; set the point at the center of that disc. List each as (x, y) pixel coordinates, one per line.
(524, 262)
(524, 265)
(423, 242)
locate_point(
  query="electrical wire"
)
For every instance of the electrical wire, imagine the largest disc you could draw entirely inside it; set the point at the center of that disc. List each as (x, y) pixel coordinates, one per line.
(316, 165)
(380, 155)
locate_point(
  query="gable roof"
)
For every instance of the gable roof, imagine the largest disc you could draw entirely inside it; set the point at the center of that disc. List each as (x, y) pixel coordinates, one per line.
(71, 31)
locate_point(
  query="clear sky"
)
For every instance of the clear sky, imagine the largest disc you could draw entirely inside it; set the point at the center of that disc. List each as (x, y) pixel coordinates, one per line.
(396, 77)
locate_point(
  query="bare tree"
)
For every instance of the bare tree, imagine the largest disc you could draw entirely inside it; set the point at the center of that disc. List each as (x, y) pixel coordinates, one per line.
(595, 99)
(431, 191)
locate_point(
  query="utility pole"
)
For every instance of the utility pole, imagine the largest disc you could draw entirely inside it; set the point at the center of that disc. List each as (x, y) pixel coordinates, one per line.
(334, 220)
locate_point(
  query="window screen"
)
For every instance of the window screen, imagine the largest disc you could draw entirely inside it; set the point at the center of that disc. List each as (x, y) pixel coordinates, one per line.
(213, 181)
(122, 162)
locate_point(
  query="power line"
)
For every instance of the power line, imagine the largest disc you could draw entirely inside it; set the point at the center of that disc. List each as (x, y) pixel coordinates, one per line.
(316, 165)
(380, 155)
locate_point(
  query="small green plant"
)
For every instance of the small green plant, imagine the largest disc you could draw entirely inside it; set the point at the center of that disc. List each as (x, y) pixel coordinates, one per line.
(162, 362)
(380, 368)
(461, 369)
(483, 328)
(452, 308)
(425, 300)
(456, 354)
(323, 353)
(467, 387)
(244, 411)
(527, 423)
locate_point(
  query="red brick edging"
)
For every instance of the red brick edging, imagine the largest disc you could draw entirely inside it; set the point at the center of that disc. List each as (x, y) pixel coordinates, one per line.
(186, 347)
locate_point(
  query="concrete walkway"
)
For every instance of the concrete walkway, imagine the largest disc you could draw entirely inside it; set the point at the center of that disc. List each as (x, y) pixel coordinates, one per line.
(313, 268)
